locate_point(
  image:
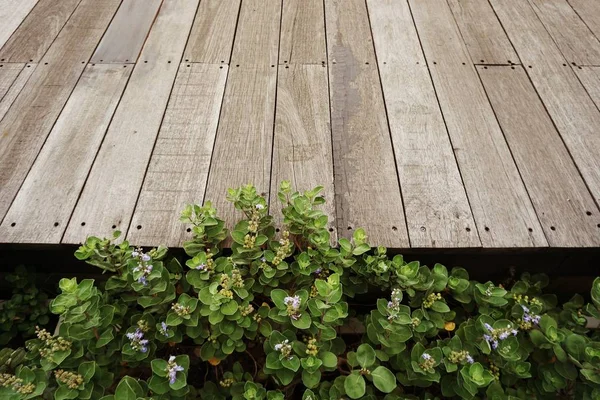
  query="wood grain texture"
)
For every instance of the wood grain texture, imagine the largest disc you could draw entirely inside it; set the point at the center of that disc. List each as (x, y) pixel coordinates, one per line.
(181, 158)
(34, 36)
(495, 190)
(15, 88)
(572, 36)
(302, 141)
(302, 32)
(482, 33)
(12, 13)
(589, 12)
(30, 118)
(243, 147)
(257, 35)
(45, 201)
(109, 196)
(127, 32)
(366, 182)
(8, 74)
(572, 110)
(437, 209)
(212, 36)
(557, 191)
(590, 78)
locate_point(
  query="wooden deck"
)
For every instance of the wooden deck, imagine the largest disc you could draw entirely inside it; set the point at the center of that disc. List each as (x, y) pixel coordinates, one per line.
(431, 123)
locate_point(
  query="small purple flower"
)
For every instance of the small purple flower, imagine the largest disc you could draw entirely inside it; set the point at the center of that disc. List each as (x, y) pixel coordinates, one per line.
(390, 304)
(142, 280)
(163, 329)
(514, 332)
(488, 327)
(201, 267)
(145, 257)
(488, 338)
(259, 206)
(262, 259)
(524, 308)
(137, 341)
(172, 369)
(527, 318)
(495, 344)
(134, 254)
(470, 359)
(318, 271)
(292, 301)
(503, 335)
(426, 356)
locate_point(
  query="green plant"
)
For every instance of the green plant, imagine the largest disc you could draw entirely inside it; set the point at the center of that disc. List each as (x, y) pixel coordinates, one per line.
(270, 319)
(26, 309)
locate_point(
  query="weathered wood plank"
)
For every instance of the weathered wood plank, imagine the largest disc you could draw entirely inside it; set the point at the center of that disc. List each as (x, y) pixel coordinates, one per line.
(302, 32)
(180, 161)
(302, 141)
(246, 131)
(127, 32)
(8, 74)
(34, 36)
(45, 201)
(482, 33)
(502, 209)
(30, 118)
(12, 13)
(257, 35)
(557, 191)
(111, 191)
(15, 88)
(590, 78)
(212, 36)
(577, 43)
(437, 209)
(572, 110)
(589, 12)
(366, 182)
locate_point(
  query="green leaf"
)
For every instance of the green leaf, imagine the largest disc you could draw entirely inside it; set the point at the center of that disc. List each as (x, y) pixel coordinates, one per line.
(361, 249)
(440, 306)
(87, 370)
(229, 308)
(329, 359)
(355, 386)
(292, 363)
(303, 322)
(365, 355)
(384, 379)
(159, 367)
(129, 389)
(311, 380)
(278, 296)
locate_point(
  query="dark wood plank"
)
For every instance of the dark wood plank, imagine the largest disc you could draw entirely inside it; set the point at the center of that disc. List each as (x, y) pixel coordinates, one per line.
(111, 191)
(127, 32)
(502, 209)
(8, 74)
(437, 209)
(180, 161)
(482, 33)
(559, 195)
(45, 201)
(34, 36)
(12, 13)
(366, 182)
(212, 36)
(30, 118)
(302, 32)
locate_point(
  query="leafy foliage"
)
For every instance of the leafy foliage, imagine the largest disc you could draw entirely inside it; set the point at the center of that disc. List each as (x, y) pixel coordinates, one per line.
(284, 314)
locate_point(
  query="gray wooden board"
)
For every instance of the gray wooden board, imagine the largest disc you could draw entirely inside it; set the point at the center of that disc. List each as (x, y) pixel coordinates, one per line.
(502, 209)
(8, 74)
(34, 36)
(180, 161)
(45, 201)
(127, 32)
(366, 183)
(212, 36)
(12, 13)
(589, 12)
(15, 89)
(437, 209)
(302, 141)
(257, 35)
(31, 116)
(482, 32)
(111, 191)
(590, 78)
(560, 196)
(302, 32)
(572, 110)
(243, 147)
(572, 36)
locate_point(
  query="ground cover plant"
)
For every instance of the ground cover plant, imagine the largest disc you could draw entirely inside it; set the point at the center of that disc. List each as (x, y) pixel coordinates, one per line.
(284, 314)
